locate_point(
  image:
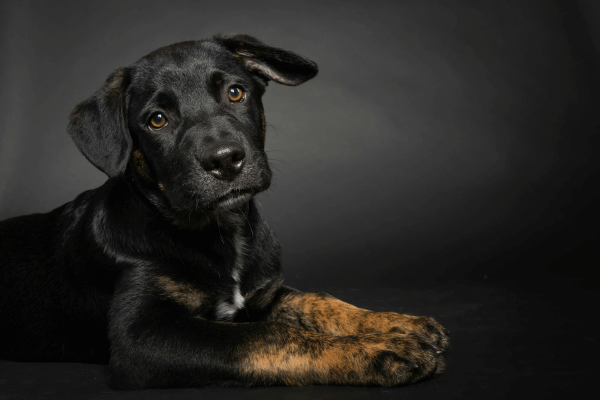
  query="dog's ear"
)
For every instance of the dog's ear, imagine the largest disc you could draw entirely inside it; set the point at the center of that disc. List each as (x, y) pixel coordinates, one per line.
(98, 126)
(279, 65)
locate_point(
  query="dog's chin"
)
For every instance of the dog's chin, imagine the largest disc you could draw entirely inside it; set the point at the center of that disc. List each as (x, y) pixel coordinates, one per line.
(197, 215)
(235, 199)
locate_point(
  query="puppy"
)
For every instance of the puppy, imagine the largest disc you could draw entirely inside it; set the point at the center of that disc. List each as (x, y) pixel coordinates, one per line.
(167, 272)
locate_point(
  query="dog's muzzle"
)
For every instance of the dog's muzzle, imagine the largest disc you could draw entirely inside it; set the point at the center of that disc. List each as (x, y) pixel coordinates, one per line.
(223, 160)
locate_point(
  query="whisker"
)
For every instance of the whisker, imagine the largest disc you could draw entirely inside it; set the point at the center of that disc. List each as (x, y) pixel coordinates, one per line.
(219, 229)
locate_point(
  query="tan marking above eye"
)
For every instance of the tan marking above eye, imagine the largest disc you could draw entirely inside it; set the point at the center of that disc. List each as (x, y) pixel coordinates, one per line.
(158, 120)
(235, 93)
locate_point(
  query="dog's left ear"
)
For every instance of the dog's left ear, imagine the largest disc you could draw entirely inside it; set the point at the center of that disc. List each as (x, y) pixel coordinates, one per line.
(279, 65)
(98, 126)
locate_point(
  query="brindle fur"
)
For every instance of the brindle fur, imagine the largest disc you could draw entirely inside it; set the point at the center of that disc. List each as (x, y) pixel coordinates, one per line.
(320, 312)
(290, 356)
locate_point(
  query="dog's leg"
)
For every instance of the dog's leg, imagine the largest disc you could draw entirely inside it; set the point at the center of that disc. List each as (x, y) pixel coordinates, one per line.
(320, 312)
(290, 356)
(157, 342)
(162, 351)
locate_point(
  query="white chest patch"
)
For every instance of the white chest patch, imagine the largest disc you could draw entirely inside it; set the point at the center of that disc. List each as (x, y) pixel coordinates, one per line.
(227, 309)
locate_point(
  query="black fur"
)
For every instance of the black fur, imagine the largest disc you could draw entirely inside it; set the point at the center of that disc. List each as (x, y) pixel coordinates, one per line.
(85, 275)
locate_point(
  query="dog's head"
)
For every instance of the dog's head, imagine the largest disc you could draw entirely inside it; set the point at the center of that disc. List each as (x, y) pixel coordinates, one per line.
(186, 121)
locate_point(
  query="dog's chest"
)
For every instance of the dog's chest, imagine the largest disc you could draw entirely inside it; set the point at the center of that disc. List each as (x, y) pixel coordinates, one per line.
(224, 286)
(231, 301)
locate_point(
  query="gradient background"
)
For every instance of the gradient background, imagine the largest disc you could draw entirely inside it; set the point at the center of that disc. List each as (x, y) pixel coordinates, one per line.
(444, 162)
(440, 140)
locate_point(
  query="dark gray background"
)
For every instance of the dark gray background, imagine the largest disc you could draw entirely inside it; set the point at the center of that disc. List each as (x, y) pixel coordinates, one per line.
(444, 162)
(439, 140)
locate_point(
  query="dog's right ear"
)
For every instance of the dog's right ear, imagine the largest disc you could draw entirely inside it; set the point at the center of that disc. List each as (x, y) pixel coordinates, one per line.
(98, 125)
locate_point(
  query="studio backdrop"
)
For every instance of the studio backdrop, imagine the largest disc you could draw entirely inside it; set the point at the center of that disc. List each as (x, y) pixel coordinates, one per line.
(440, 140)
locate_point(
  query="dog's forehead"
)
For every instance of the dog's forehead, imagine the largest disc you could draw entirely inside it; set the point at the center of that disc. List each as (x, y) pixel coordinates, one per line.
(185, 61)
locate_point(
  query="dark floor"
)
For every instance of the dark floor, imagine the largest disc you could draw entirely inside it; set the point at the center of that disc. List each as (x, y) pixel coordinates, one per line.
(508, 340)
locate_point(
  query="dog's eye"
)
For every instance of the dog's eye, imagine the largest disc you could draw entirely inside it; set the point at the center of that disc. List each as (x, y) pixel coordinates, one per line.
(236, 93)
(158, 120)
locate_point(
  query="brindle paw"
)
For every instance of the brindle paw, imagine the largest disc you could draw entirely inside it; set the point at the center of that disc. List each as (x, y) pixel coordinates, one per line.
(395, 359)
(433, 330)
(401, 323)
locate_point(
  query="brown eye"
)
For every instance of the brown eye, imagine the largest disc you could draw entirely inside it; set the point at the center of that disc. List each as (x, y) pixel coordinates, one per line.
(236, 93)
(158, 120)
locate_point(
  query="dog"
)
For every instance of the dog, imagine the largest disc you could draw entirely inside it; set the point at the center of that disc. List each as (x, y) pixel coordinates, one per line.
(167, 272)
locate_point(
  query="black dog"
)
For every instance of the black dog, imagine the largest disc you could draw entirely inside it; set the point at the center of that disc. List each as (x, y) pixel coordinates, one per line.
(167, 272)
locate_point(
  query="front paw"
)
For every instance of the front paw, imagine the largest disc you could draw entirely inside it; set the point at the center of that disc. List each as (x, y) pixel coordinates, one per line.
(392, 359)
(427, 327)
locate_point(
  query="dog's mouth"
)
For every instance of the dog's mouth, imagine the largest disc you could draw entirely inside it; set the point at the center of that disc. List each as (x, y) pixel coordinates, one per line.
(234, 198)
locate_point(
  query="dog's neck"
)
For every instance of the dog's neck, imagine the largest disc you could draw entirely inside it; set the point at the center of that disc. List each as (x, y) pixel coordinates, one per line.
(152, 196)
(126, 205)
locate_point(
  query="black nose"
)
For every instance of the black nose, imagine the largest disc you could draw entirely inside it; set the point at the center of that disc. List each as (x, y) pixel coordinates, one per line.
(223, 160)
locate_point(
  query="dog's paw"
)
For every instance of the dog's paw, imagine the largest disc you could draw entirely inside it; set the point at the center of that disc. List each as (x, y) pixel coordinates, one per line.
(392, 359)
(427, 327)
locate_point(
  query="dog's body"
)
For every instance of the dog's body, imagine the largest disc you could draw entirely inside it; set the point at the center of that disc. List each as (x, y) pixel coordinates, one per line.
(167, 272)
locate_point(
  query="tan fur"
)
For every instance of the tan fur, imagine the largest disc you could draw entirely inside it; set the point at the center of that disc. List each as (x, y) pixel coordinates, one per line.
(139, 162)
(308, 358)
(323, 313)
(182, 293)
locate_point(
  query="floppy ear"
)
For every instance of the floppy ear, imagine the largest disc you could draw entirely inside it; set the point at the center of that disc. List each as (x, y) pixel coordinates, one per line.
(98, 128)
(272, 63)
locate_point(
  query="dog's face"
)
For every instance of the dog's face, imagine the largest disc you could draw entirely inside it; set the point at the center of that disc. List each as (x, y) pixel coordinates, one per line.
(186, 121)
(195, 118)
